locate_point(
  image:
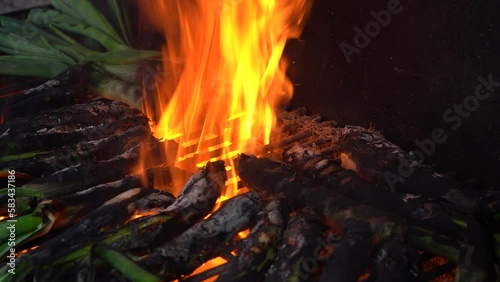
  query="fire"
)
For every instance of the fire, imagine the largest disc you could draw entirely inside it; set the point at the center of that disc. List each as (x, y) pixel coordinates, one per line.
(220, 101)
(243, 234)
(223, 77)
(142, 214)
(27, 250)
(208, 265)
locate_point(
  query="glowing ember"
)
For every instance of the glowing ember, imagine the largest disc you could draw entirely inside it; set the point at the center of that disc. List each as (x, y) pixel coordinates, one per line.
(136, 216)
(208, 265)
(221, 100)
(2, 217)
(143, 214)
(243, 234)
(27, 250)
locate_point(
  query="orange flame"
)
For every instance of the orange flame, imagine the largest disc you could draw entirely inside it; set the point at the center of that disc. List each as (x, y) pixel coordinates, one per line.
(208, 265)
(220, 100)
(243, 234)
(223, 77)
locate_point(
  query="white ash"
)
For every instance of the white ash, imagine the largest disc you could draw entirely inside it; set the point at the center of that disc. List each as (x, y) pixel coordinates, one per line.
(69, 168)
(382, 255)
(438, 175)
(62, 129)
(274, 215)
(86, 128)
(321, 164)
(48, 84)
(409, 196)
(5, 133)
(300, 152)
(185, 198)
(109, 184)
(123, 196)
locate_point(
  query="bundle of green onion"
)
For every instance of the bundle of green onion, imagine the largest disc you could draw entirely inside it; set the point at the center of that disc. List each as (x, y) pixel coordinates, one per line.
(75, 32)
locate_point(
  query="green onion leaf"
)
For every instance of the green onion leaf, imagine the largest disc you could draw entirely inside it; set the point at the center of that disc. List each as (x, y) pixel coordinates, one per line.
(30, 66)
(85, 11)
(119, 12)
(73, 24)
(125, 265)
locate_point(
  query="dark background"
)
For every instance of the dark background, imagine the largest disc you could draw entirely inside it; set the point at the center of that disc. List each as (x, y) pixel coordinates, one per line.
(427, 59)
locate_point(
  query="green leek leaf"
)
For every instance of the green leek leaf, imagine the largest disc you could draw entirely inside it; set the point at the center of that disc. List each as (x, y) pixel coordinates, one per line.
(30, 66)
(15, 44)
(28, 30)
(125, 265)
(22, 192)
(119, 12)
(122, 56)
(21, 156)
(117, 90)
(73, 24)
(29, 227)
(85, 11)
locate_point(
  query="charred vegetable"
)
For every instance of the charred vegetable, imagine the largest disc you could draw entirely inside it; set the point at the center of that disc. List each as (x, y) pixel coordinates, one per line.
(259, 249)
(204, 240)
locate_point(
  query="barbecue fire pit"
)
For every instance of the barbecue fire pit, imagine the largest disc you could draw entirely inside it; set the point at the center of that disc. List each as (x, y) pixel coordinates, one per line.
(159, 141)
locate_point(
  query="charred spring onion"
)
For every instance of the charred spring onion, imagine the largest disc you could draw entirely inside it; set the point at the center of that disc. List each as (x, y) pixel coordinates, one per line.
(44, 45)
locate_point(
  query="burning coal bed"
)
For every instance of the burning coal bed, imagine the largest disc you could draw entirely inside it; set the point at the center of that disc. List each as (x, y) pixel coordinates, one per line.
(319, 203)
